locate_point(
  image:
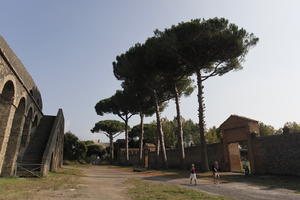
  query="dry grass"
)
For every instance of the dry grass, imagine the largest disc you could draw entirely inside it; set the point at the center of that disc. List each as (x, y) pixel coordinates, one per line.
(24, 188)
(143, 190)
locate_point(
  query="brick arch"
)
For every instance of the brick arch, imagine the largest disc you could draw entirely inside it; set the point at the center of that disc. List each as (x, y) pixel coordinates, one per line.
(7, 97)
(34, 124)
(10, 79)
(10, 158)
(26, 131)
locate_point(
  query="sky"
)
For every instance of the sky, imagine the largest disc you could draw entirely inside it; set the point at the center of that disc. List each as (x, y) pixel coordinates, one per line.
(68, 47)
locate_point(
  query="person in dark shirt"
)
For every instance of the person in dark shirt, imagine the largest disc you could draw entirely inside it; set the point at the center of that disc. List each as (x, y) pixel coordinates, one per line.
(215, 170)
(193, 175)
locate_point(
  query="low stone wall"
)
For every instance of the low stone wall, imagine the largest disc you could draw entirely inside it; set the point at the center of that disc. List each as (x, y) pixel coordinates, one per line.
(133, 157)
(277, 154)
(215, 152)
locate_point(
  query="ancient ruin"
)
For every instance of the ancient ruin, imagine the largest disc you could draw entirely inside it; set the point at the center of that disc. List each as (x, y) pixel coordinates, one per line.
(241, 141)
(31, 143)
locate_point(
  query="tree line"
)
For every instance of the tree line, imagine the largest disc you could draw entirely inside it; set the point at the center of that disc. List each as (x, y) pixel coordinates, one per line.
(160, 69)
(288, 127)
(82, 151)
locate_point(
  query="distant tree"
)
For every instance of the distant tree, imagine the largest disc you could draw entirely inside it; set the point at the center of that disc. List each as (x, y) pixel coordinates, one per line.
(265, 130)
(88, 142)
(95, 149)
(138, 65)
(110, 128)
(173, 73)
(191, 132)
(169, 128)
(293, 127)
(73, 148)
(209, 48)
(149, 133)
(213, 135)
(144, 104)
(122, 105)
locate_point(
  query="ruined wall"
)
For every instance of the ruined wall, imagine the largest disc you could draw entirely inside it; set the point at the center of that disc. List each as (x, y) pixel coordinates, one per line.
(215, 152)
(133, 156)
(20, 105)
(53, 154)
(20, 109)
(277, 154)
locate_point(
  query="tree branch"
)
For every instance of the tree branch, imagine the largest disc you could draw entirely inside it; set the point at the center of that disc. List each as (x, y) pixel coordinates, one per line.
(130, 116)
(121, 117)
(214, 73)
(116, 135)
(107, 135)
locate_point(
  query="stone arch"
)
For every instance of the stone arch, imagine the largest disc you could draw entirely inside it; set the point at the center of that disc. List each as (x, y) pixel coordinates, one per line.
(26, 131)
(13, 145)
(38, 102)
(6, 103)
(34, 125)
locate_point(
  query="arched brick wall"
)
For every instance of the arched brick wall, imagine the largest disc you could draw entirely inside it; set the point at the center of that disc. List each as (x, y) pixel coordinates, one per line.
(14, 140)
(22, 122)
(15, 84)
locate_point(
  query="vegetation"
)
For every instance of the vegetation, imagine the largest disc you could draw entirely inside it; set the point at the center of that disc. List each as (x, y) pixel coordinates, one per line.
(81, 151)
(288, 127)
(145, 190)
(73, 148)
(266, 130)
(293, 127)
(95, 149)
(209, 48)
(110, 128)
(160, 69)
(122, 105)
(190, 132)
(26, 188)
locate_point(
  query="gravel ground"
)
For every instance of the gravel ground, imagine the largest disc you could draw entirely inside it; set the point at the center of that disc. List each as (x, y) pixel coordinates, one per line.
(107, 183)
(236, 190)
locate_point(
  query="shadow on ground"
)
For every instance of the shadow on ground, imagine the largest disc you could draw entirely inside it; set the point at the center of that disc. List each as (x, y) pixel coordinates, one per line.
(266, 182)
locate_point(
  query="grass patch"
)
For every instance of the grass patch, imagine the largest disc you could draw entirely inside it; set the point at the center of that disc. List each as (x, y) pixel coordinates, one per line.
(143, 190)
(25, 188)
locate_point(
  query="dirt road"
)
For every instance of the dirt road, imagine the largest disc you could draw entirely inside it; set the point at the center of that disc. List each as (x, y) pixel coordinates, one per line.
(107, 183)
(96, 183)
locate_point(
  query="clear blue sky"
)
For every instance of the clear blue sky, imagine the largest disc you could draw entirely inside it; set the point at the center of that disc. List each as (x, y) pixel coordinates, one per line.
(68, 47)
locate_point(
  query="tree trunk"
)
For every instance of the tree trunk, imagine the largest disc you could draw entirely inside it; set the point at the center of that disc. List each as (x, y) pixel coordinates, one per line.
(203, 150)
(160, 131)
(141, 137)
(111, 148)
(126, 138)
(179, 129)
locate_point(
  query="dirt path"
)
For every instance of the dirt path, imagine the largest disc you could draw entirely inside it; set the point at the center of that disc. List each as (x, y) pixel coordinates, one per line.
(107, 183)
(96, 183)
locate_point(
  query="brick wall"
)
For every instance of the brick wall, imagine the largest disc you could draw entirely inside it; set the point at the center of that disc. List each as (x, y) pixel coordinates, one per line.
(215, 152)
(277, 154)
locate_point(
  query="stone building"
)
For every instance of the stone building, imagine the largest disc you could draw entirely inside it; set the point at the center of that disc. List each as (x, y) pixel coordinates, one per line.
(31, 143)
(241, 142)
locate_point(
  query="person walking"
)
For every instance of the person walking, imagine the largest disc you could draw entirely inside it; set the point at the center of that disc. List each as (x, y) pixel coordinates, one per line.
(215, 170)
(193, 175)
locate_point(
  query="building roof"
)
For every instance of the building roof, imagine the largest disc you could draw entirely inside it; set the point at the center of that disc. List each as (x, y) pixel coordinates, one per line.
(241, 118)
